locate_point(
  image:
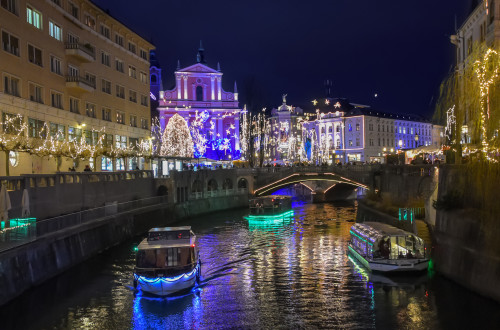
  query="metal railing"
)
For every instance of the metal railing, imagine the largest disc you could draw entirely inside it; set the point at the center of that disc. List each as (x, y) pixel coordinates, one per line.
(30, 231)
(82, 80)
(86, 49)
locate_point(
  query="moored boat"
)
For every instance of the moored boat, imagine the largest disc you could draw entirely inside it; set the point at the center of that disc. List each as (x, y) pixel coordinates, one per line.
(167, 261)
(384, 248)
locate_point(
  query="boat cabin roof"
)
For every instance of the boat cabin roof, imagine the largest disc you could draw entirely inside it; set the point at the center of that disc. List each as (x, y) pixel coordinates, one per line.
(375, 230)
(146, 245)
(170, 228)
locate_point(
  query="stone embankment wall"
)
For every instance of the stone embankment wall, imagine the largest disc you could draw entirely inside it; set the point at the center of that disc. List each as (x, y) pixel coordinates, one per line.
(26, 266)
(366, 213)
(467, 245)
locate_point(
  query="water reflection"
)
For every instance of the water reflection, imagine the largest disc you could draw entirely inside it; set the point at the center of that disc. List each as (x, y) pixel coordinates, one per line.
(292, 274)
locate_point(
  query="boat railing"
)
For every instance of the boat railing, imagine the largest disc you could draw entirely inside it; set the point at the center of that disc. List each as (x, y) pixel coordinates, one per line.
(166, 271)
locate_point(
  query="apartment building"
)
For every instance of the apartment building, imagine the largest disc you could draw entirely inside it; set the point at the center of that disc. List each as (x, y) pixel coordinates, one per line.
(71, 67)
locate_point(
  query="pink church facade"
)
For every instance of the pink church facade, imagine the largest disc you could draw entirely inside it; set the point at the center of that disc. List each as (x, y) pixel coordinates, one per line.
(212, 113)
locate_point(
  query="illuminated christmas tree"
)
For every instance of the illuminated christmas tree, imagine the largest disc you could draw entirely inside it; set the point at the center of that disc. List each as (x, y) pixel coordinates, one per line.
(176, 139)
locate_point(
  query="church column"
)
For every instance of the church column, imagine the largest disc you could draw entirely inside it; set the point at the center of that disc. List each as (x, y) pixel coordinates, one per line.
(185, 87)
(219, 88)
(212, 87)
(179, 95)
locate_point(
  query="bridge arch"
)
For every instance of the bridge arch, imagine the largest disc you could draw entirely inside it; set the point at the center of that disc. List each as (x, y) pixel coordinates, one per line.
(227, 184)
(242, 183)
(212, 185)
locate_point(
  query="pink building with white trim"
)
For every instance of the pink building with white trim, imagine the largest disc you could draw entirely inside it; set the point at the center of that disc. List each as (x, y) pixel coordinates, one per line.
(212, 113)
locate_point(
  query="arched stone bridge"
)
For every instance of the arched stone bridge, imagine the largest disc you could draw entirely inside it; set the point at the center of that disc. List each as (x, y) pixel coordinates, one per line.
(316, 179)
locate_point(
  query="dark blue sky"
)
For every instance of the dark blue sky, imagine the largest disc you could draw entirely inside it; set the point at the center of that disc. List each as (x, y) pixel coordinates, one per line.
(397, 49)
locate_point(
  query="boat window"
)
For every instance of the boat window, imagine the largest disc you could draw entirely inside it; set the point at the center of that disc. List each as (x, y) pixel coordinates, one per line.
(173, 257)
(168, 235)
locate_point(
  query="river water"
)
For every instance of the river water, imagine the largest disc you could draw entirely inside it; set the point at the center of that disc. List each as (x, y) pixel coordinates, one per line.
(292, 274)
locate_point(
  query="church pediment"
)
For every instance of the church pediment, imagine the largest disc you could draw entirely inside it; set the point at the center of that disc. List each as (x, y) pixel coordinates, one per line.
(198, 67)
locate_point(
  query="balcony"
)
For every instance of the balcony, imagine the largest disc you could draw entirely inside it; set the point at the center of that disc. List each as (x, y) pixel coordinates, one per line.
(80, 83)
(84, 53)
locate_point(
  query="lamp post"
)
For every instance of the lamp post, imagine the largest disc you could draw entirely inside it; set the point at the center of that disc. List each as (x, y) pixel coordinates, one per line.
(416, 140)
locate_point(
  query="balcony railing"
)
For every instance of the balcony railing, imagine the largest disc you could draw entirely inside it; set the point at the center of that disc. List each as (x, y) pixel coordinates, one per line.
(78, 79)
(77, 46)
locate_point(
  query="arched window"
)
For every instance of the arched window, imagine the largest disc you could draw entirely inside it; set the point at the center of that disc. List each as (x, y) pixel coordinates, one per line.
(242, 183)
(153, 79)
(212, 185)
(199, 93)
(197, 187)
(227, 184)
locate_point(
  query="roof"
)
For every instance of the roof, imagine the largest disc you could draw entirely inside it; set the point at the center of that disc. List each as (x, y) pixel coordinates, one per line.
(170, 228)
(146, 245)
(374, 229)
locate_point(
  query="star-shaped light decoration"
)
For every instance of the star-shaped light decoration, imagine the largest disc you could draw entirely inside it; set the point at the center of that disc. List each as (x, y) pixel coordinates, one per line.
(337, 105)
(315, 102)
(327, 102)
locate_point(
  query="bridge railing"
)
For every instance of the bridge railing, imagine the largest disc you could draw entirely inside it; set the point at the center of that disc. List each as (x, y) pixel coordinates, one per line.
(16, 232)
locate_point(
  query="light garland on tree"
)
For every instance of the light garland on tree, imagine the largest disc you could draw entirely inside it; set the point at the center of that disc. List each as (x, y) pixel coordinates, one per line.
(177, 139)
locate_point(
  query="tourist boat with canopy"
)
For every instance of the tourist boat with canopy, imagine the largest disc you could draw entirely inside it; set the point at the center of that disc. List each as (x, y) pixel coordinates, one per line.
(384, 248)
(167, 261)
(269, 207)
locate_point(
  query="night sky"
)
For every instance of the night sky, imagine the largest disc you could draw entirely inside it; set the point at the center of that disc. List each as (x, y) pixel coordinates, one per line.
(399, 50)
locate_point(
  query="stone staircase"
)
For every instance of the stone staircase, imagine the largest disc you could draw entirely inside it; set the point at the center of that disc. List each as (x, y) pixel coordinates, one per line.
(424, 233)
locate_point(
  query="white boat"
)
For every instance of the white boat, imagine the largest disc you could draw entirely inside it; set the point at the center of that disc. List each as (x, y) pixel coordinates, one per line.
(167, 261)
(270, 207)
(384, 248)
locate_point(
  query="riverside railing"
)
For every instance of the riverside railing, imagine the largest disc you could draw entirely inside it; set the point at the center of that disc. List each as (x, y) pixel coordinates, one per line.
(28, 230)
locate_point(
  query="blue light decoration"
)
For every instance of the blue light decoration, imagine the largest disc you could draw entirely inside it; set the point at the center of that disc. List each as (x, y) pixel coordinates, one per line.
(350, 127)
(307, 147)
(161, 284)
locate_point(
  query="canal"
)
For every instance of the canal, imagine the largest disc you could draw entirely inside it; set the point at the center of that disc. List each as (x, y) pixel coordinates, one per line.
(256, 275)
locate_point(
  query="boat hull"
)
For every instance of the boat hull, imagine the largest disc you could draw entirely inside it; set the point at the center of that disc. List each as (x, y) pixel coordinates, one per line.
(391, 266)
(166, 286)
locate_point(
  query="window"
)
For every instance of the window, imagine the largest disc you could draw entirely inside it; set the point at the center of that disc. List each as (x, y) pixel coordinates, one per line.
(12, 124)
(337, 128)
(55, 31)
(144, 123)
(106, 114)
(90, 110)
(131, 47)
(90, 78)
(36, 128)
(133, 121)
(379, 142)
(105, 59)
(357, 127)
(57, 2)
(349, 127)
(72, 39)
(121, 141)
(74, 134)
(357, 142)
(399, 129)
(91, 137)
(132, 72)
(11, 85)
(33, 17)
(73, 72)
(120, 117)
(74, 105)
(469, 45)
(133, 143)
(56, 100)
(57, 131)
(106, 86)
(73, 10)
(119, 66)
(143, 77)
(10, 5)
(144, 101)
(132, 96)
(36, 93)
(55, 65)
(89, 21)
(350, 143)
(105, 31)
(34, 55)
(120, 91)
(10, 43)
(370, 127)
(119, 39)
(144, 54)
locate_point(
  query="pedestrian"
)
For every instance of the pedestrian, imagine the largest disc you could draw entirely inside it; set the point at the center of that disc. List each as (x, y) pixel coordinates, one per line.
(87, 168)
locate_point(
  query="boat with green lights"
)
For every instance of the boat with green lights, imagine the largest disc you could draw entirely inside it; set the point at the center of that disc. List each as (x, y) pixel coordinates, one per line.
(270, 207)
(384, 248)
(167, 261)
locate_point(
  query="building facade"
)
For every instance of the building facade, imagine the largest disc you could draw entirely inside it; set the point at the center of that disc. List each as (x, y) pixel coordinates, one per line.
(212, 114)
(71, 70)
(285, 140)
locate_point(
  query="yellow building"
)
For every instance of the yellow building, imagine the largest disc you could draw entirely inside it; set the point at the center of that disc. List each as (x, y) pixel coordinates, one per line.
(72, 68)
